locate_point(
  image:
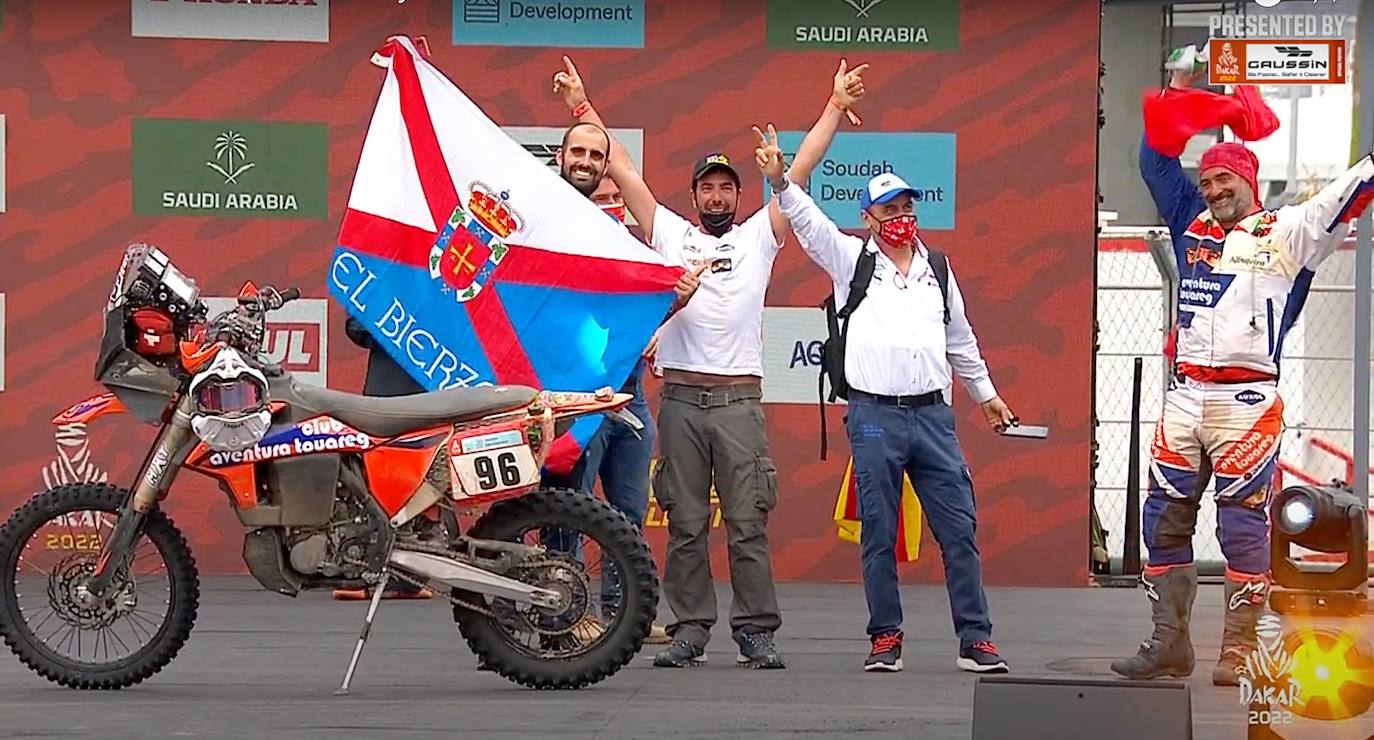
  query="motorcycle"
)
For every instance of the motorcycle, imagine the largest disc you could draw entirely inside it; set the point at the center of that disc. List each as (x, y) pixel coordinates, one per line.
(333, 490)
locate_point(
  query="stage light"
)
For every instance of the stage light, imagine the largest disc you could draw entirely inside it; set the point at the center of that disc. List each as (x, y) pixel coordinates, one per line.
(1334, 673)
(1328, 520)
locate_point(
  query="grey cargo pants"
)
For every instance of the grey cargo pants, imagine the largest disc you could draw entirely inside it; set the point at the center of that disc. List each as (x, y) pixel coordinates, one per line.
(716, 435)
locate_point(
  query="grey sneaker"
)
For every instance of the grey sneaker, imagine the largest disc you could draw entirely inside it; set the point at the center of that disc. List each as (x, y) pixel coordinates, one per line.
(756, 650)
(680, 654)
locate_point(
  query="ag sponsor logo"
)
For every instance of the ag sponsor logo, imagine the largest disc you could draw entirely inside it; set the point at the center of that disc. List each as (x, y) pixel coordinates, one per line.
(296, 336)
(236, 169)
(792, 354)
(902, 25)
(1276, 62)
(925, 160)
(249, 20)
(564, 23)
(543, 142)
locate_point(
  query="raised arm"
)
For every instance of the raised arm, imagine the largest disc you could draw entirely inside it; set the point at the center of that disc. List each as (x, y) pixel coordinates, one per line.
(848, 88)
(830, 248)
(639, 200)
(1317, 226)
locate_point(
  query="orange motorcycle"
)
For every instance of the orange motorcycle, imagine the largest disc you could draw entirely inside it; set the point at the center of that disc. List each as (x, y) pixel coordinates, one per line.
(551, 588)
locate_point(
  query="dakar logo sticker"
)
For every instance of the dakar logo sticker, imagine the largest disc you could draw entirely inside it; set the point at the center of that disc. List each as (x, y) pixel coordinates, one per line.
(1266, 677)
(73, 463)
(471, 245)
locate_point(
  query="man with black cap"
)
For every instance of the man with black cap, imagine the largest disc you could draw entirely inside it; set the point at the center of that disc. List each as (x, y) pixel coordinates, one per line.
(711, 421)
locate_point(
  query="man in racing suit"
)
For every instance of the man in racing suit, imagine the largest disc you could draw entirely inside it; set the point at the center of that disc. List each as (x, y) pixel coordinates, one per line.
(1244, 272)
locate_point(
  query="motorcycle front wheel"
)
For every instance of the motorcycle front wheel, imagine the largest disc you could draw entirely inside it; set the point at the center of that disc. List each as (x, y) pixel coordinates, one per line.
(48, 552)
(597, 560)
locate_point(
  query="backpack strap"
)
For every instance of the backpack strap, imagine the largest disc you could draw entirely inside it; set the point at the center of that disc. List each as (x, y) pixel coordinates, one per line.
(837, 326)
(939, 264)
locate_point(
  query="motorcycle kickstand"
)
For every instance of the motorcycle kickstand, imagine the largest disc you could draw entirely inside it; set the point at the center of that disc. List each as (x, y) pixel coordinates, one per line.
(379, 589)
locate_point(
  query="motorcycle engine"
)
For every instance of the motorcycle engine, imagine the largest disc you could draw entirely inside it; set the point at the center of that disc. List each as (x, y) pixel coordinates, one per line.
(332, 551)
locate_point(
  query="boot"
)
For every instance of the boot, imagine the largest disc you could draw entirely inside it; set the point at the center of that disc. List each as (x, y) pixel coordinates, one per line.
(1169, 650)
(1245, 597)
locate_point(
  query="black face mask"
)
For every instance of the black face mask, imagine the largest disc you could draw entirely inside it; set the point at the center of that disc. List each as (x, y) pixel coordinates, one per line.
(716, 224)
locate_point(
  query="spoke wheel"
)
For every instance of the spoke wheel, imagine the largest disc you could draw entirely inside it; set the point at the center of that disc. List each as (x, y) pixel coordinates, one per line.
(49, 549)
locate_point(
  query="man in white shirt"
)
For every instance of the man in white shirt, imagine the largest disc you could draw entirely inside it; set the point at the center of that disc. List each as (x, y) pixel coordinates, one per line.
(711, 421)
(897, 352)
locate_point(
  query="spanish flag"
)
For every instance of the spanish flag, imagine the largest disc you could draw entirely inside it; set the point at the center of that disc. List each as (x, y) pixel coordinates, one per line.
(908, 527)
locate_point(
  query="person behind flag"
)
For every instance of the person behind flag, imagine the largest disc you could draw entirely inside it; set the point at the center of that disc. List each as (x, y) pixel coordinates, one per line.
(897, 354)
(618, 454)
(1244, 273)
(711, 422)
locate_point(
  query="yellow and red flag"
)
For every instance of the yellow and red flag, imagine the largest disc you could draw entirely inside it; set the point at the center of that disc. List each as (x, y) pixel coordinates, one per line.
(908, 524)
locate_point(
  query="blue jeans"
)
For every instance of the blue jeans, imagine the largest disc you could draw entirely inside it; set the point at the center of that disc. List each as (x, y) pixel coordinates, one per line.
(622, 460)
(886, 441)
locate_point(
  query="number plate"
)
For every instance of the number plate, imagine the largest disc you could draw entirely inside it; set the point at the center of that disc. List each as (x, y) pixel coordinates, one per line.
(496, 470)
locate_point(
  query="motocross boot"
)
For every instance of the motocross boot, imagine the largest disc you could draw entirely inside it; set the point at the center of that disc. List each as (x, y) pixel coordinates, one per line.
(1245, 597)
(1169, 650)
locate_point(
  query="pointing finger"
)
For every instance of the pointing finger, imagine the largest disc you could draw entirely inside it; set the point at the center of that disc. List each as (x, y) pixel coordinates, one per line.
(859, 70)
(567, 63)
(843, 66)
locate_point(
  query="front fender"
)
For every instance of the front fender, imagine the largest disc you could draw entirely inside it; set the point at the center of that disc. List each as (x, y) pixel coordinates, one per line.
(90, 409)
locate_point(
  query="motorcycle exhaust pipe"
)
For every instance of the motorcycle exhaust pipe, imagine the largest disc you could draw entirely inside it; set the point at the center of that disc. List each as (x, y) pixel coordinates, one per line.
(471, 578)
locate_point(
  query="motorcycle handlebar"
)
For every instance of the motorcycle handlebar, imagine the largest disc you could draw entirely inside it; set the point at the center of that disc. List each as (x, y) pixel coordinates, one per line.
(270, 299)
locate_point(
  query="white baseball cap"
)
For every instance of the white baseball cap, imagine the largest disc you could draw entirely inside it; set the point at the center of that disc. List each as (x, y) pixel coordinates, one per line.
(884, 188)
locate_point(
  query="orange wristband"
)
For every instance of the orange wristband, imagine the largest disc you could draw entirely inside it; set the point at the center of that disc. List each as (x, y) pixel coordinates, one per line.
(582, 108)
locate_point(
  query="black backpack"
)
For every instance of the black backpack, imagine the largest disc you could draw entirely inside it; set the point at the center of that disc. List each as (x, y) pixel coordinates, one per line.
(837, 324)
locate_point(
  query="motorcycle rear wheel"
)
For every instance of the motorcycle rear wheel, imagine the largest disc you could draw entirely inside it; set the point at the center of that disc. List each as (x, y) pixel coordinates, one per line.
(182, 600)
(620, 542)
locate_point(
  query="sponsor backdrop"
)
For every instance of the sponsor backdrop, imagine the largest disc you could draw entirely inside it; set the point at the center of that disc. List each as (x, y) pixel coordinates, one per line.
(235, 153)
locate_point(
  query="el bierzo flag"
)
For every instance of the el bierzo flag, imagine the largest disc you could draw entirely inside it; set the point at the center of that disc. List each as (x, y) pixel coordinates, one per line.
(473, 263)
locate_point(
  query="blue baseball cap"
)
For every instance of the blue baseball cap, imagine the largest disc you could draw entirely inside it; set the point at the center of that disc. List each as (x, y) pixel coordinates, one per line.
(884, 188)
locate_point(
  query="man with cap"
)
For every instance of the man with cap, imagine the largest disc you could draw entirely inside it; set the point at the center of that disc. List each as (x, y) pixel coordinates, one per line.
(898, 350)
(1242, 271)
(711, 422)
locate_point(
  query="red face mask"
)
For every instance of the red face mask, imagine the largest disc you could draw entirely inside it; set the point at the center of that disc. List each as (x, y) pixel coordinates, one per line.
(899, 231)
(617, 211)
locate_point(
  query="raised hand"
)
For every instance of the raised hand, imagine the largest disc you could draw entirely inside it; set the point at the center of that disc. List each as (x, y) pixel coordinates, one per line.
(568, 84)
(849, 84)
(768, 156)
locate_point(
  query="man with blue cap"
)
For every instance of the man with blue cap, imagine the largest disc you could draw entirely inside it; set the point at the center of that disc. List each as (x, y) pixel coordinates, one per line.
(898, 346)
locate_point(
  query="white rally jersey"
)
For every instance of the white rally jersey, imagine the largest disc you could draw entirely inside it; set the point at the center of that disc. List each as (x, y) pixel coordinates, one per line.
(898, 343)
(1234, 287)
(720, 330)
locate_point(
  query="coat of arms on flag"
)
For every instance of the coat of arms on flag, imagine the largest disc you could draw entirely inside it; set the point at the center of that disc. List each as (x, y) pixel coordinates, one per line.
(472, 263)
(849, 528)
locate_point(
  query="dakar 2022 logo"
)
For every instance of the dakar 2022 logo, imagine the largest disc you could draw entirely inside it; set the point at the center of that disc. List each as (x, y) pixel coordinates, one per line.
(1266, 679)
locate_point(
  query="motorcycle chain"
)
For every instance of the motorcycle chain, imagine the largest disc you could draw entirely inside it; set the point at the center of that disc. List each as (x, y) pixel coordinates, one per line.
(415, 546)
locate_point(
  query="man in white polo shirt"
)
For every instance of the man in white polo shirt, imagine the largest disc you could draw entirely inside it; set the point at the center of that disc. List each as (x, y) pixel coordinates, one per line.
(898, 348)
(711, 421)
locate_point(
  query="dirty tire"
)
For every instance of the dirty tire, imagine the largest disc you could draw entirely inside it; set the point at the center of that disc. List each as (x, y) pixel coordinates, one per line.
(133, 669)
(619, 539)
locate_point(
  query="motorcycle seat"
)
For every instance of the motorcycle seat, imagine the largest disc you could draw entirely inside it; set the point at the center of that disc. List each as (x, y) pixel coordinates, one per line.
(388, 416)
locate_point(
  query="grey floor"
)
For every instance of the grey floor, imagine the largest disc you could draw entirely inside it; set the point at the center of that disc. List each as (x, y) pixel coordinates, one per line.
(264, 666)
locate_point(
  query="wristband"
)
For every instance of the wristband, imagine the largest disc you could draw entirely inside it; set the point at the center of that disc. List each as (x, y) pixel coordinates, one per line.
(853, 117)
(582, 108)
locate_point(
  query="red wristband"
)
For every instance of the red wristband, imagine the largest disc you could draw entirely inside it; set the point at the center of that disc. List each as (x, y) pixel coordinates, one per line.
(582, 108)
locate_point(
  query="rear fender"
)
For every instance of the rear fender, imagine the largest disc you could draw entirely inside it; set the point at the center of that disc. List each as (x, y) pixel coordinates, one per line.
(90, 409)
(566, 407)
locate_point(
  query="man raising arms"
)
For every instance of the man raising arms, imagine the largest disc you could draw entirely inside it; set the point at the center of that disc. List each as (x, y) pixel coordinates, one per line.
(711, 422)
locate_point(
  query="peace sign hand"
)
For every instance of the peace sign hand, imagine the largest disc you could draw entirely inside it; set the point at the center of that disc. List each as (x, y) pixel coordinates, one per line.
(568, 83)
(768, 156)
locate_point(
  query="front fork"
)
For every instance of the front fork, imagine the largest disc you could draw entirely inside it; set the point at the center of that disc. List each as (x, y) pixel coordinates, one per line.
(154, 480)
